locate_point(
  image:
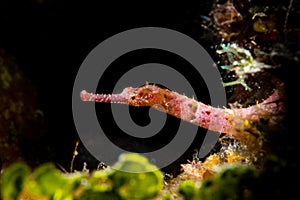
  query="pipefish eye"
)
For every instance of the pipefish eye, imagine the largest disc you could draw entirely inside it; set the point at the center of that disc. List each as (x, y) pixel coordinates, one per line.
(132, 98)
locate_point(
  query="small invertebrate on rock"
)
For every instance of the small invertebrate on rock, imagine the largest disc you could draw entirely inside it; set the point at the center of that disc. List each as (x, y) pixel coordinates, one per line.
(241, 62)
(232, 121)
(225, 14)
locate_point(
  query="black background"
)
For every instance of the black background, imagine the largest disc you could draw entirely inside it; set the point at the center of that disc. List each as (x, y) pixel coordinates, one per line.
(51, 39)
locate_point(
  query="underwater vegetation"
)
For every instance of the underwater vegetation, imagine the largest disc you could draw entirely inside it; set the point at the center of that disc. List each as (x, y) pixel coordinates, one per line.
(133, 177)
(119, 182)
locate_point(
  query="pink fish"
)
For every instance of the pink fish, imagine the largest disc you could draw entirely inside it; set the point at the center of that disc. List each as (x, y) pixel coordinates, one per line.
(233, 121)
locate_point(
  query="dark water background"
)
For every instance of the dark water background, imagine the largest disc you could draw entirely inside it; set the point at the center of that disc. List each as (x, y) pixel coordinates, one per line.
(51, 39)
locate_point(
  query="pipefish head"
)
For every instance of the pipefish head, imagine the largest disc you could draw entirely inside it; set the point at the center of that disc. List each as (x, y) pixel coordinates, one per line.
(147, 95)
